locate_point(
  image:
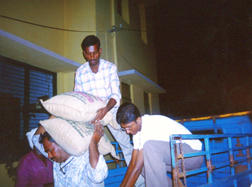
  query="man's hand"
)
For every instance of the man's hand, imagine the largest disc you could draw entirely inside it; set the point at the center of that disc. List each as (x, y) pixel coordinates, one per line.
(100, 114)
(103, 111)
(41, 129)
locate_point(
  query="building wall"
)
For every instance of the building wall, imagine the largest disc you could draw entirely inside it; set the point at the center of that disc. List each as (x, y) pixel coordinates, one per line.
(154, 103)
(65, 81)
(132, 51)
(137, 96)
(44, 12)
(74, 15)
(104, 21)
(125, 48)
(78, 16)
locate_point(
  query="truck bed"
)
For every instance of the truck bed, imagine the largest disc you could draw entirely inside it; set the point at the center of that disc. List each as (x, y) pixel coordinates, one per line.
(227, 144)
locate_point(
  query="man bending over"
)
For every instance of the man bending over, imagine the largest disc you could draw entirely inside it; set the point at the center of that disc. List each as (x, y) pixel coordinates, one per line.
(151, 136)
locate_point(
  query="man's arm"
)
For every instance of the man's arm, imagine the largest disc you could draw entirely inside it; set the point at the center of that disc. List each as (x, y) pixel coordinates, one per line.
(97, 169)
(103, 111)
(36, 143)
(115, 94)
(77, 81)
(93, 146)
(134, 169)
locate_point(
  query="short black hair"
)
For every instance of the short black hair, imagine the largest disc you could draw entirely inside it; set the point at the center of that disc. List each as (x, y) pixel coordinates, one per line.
(127, 113)
(46, 135)
(90, 40)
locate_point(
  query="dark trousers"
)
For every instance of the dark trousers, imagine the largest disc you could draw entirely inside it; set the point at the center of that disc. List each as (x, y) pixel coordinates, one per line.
(157, 162)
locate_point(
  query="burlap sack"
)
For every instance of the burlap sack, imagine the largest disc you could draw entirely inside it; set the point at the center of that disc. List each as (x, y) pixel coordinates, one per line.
(74, 137)
(78, 106)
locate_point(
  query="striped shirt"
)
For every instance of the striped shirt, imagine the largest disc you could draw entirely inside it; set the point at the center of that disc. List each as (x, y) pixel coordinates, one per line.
(104, 84)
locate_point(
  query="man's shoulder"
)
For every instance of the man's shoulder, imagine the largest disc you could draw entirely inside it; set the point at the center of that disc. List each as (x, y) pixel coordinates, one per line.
(82, 159)
(107, 63)
(27, 158)
(83, 67)
(146, 117)
(156, 116)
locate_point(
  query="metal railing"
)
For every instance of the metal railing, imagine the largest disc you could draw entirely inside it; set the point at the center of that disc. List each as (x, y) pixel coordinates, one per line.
(233, 154)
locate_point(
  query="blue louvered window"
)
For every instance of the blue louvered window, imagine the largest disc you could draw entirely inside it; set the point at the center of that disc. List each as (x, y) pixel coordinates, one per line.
(41, 85)
(21, 87)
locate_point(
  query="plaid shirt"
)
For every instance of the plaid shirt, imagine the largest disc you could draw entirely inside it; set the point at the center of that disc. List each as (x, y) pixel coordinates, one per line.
(104, 84)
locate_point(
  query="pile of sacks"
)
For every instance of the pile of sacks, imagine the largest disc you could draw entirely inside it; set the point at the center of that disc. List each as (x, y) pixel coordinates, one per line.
(71, 128)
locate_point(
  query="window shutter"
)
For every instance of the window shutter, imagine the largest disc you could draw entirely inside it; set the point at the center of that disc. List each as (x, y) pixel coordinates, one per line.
(21, 87)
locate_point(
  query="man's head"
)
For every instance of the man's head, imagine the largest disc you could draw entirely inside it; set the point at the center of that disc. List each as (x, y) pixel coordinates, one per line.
(54, 151)
(128, 116)
(91, 49)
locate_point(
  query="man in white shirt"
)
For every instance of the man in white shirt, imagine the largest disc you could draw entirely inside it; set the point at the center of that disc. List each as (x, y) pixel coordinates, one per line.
(151, 139)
